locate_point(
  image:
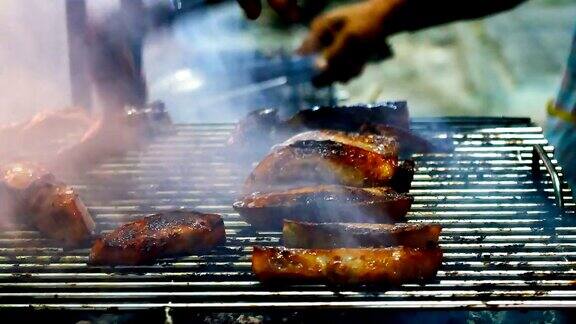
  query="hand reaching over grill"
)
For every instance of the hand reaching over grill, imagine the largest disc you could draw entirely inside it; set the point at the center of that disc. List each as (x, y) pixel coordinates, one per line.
(349, 36)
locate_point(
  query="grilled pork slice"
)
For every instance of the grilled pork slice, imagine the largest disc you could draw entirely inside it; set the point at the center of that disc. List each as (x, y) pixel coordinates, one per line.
(51, 207)
(352, 235)
(262, 128)
(14, 180)
(383, 145)
(346, 266)
(308, 163)
(19, 176)
(326, 203)
(58, 212)
(157, 236)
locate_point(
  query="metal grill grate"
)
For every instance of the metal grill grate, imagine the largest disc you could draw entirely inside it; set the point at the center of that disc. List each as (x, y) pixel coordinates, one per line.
(505, 242)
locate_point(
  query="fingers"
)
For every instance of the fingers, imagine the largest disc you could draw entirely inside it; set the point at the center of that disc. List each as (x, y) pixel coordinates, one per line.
(345, 59)
(344, 53)
(322, 34)
(347, 38)
(252, 8)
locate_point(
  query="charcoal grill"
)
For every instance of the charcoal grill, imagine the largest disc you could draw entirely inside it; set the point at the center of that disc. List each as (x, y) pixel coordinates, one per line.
(509, 236)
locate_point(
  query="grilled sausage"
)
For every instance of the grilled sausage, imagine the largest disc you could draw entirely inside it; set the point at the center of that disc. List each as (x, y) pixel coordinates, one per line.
(353, 235)
(326, 203)
(346, 266)
(157, 236)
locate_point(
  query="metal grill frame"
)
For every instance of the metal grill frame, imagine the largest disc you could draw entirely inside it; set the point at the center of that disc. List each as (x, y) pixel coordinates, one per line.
(507, 242)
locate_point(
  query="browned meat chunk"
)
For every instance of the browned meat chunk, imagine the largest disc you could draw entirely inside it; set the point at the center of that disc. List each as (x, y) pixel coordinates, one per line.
(263, 128)
(157, 236)
(346, 266)
(385, 145)
(14, 180)
(309, 163)
(337, 235)
(58, 212)
(324, 204)
(51, 207)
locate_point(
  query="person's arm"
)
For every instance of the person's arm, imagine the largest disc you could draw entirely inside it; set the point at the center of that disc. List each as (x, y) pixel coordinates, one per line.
(349, 36)
(414, 15)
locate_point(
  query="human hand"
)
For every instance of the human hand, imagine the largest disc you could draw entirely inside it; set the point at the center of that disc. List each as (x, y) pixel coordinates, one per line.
(349, 36)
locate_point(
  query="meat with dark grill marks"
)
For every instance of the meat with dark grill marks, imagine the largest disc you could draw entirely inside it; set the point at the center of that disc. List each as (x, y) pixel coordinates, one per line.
(57, 211)
(309, 163)
(157, 236)
(14, 180)
(346, 266)
(262, 128)
(325, 203)
(385, 145)
(32, 195)
(352, 235)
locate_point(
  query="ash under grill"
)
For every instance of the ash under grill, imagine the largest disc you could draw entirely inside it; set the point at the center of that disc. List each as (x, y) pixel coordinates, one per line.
(506, 243)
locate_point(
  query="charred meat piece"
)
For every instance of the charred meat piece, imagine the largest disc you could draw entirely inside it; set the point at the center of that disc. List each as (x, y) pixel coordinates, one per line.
(327, 203)
(157, 236)
(346, 266)
(257, 128)
(351, 118)
(51, 207)
(353, 235)
(402, 179)
(409, 141)
(19, 176)
(308, 163)
(263, 128)
(58, 212)
(384, 145)
(14, 180)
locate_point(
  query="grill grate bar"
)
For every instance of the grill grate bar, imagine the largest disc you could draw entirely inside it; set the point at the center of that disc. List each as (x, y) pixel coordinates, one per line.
(505, 243)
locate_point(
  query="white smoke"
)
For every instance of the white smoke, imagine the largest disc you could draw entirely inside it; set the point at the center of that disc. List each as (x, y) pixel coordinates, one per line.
(34, 73)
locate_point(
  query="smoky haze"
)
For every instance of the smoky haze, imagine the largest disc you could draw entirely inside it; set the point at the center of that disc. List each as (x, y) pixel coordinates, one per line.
(34, 72)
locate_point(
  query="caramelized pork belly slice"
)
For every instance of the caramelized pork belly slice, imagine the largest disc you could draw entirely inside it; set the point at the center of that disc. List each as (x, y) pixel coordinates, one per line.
(336, 235)
(261, 129)
(15, 178)
(19, 176)
(384, 145)
(325, 203)
(161, 235)
(346, 266)
(57, 211)
(306, 163)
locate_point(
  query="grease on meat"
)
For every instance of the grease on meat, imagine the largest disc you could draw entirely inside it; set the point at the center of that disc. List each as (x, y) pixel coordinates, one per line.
(324, 203)
(346, 266)
(161, 235)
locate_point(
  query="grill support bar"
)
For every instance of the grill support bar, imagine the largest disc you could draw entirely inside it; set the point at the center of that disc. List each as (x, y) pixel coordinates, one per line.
(539, 154)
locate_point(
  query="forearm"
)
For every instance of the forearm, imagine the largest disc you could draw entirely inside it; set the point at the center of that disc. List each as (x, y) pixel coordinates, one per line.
(419, 14)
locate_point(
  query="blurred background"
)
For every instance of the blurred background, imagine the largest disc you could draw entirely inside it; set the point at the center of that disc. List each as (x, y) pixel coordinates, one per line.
(212, 65)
